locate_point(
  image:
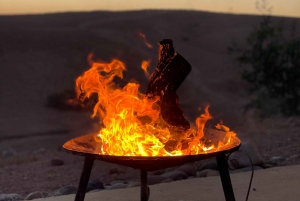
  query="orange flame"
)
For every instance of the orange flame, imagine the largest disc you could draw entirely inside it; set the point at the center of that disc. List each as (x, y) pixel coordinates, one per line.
(144, 66)
(145, 40)
(132, 122)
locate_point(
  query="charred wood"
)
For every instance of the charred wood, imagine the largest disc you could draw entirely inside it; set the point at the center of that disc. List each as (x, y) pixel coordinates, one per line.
(171, 71)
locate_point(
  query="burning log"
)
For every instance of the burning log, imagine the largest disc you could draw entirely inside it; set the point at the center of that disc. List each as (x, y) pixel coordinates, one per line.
(171, 71)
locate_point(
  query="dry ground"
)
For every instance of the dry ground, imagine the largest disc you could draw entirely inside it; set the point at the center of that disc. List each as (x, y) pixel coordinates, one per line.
(43, 54)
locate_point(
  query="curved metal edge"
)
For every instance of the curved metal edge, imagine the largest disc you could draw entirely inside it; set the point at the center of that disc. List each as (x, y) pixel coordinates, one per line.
(153, 158)
(152, 163)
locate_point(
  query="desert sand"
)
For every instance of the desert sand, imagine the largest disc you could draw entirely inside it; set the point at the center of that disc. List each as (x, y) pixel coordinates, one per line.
(43, 54)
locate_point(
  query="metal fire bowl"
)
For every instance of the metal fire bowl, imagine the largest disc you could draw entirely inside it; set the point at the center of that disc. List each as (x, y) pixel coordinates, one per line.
(87, 146)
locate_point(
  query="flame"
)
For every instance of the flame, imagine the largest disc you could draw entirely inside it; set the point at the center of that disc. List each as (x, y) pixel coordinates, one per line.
(90, 58)
(144, 66)
(132, 122)
(145, 40)
(195, 145)
(229, 134)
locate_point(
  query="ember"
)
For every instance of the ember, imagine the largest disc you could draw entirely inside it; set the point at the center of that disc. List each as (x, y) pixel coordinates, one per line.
(144, 66)
(150, 123)
(145, 40)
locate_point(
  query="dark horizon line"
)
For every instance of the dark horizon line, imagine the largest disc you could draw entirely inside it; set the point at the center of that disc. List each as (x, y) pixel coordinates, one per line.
(141, 10)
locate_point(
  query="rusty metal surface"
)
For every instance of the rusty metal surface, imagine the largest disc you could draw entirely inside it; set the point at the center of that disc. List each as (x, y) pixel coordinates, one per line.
(86, 146)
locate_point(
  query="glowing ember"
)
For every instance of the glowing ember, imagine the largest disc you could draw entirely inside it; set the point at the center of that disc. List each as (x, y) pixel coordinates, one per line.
(144, 66)
(133, 125)
(145, 40)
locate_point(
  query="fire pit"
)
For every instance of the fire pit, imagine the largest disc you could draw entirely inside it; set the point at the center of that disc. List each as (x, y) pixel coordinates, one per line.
(86, 146)
(147, 131)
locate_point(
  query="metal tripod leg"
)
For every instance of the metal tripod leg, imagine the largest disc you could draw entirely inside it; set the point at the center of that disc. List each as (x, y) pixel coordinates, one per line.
(84, 179)
(225, 178)
(145, 191)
